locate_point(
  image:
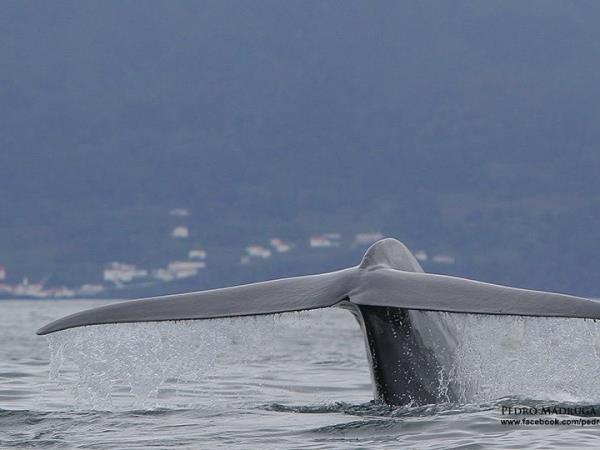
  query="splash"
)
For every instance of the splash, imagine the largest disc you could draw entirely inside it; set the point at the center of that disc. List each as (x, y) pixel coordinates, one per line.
(490, 357)
(139, 359)
(483, 358)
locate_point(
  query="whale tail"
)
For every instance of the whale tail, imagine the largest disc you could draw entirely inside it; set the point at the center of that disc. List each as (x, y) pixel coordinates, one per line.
(385, 293)
(388, 276)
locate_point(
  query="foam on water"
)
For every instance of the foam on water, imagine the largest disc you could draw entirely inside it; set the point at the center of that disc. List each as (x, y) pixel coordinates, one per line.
(483, 357)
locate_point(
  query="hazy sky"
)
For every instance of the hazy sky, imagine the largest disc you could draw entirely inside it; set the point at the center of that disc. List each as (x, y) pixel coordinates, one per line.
(465, 120)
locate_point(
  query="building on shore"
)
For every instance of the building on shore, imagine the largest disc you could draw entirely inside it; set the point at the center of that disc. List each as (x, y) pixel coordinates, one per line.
(186, 269)
(27, 289)
(325, 240)
(180, 232)
(177, 270)
(258, 251)
(119, 273)
(197, 253)
(444, 259)
(280, 246)
(163, 274)
(421, 255)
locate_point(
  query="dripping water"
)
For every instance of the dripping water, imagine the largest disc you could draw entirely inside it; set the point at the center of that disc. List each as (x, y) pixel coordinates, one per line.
(487, 357)
(482, 357)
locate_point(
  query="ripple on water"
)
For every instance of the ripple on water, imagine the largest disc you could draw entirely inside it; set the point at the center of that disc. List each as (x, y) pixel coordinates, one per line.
(524, 361)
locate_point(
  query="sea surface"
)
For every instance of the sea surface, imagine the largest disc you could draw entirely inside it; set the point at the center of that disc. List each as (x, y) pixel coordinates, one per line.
(297, 380)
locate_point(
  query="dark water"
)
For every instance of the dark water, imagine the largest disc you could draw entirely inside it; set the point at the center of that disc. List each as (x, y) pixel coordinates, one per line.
(293, 381)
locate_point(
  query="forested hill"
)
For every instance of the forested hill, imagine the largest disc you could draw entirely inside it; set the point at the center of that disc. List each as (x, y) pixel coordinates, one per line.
(464, 128)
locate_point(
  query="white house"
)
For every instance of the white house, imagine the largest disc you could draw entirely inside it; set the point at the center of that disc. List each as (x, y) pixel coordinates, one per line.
(280, 245)
(185, 269)
(180, 232)
(258, 251)
(177, 266)
(197, 254)
(443, 259)
(320, 242)
(26, 289)
(123, 273)
(163, 274)
(421, 255)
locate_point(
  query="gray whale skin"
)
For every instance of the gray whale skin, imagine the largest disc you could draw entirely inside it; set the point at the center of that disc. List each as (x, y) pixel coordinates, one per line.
(386, 293)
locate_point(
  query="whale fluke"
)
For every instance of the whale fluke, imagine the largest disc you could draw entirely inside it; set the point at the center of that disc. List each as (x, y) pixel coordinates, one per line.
(385, 293)
(431, 292)
(388, 276)
(267, 297)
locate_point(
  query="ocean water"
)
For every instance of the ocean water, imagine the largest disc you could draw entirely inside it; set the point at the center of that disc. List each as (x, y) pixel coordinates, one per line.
(297, 380)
